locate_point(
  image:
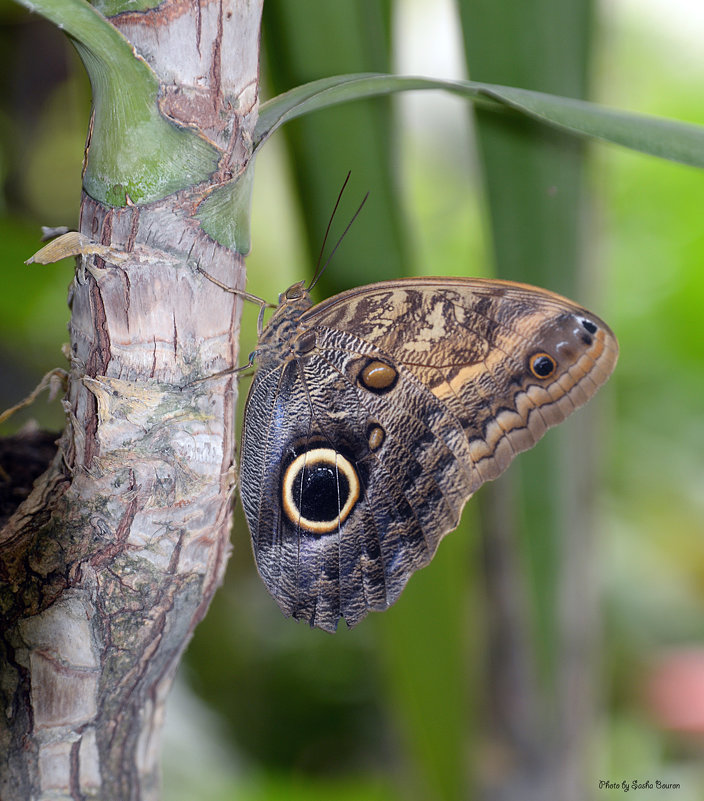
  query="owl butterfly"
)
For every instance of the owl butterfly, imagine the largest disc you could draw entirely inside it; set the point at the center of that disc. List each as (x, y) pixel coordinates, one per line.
(374, 416)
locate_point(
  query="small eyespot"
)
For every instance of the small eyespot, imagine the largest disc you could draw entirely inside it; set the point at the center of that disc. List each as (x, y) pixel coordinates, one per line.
(375, 437)
(542, 365)
(378, 377)
(589, 326)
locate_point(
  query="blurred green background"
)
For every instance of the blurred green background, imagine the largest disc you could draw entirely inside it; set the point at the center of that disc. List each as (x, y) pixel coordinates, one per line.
(399, 708)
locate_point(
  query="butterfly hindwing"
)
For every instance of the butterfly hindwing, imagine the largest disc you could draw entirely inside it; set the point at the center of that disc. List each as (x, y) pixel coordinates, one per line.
(375, 415)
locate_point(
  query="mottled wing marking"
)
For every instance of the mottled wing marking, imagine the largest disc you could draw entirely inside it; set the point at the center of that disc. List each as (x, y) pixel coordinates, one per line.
(463, 405)
(485, 323)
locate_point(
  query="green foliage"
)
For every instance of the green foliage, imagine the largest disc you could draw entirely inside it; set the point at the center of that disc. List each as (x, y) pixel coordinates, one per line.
(125, 111)
(677, 141)
(225, 213)
(310, 40)
(533, 182)
(111, 7)
(392, 708)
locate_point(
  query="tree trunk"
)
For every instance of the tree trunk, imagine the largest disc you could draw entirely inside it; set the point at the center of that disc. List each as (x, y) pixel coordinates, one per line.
(113, 558)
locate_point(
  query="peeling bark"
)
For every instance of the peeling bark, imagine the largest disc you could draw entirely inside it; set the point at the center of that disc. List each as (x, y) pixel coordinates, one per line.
(113, 558)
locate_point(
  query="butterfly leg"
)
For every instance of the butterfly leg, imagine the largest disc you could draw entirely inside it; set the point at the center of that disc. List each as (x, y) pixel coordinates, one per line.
(263, 305)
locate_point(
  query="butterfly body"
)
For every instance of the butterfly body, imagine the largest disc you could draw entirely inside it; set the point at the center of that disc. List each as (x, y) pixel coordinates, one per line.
(376, 414)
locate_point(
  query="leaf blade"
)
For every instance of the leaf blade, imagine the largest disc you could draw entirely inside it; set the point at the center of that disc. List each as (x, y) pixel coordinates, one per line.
(670, 139)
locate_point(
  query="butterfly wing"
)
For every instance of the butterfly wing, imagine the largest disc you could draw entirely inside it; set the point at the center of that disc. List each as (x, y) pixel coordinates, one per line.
(359, 454)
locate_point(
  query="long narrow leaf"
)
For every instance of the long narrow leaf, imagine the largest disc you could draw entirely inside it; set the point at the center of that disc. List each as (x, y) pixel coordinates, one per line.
(536, 538)
(670, 139)
(314, 38)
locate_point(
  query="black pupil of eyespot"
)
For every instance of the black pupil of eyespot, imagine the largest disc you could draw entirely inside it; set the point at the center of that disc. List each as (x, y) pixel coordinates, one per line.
(589, 326)
(543, 365)
(315, 489)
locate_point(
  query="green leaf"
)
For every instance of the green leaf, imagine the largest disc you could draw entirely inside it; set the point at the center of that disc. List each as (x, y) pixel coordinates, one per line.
(314, 38)
(670, 139)
(134, 151)
(536, 539)
(226, 213)
(112, 7)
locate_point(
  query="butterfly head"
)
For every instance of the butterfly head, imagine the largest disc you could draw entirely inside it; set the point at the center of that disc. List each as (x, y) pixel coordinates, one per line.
(284, 325)
(294, 292)
(292, 304)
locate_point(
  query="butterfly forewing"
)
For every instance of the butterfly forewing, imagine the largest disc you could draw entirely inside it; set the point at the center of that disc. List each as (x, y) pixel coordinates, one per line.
(363, 441)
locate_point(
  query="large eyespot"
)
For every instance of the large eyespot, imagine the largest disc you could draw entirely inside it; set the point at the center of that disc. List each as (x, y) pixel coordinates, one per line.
(319, 490)
(542, 365)
(378, 377)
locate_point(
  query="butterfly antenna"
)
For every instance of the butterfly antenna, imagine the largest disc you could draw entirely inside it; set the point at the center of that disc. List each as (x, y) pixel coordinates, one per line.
(327, 230)
(321, 270)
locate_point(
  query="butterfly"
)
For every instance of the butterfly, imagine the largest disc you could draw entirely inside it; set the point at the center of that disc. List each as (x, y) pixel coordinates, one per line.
(375, 415)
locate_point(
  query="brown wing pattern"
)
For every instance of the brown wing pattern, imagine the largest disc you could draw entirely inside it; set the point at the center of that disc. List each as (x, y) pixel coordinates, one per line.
(468, 341)
(361, 448)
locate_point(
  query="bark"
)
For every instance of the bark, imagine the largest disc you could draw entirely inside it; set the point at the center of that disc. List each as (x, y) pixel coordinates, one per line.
(113, 558)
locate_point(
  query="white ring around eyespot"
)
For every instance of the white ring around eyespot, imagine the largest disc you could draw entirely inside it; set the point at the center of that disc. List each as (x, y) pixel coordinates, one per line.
(308, 459)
